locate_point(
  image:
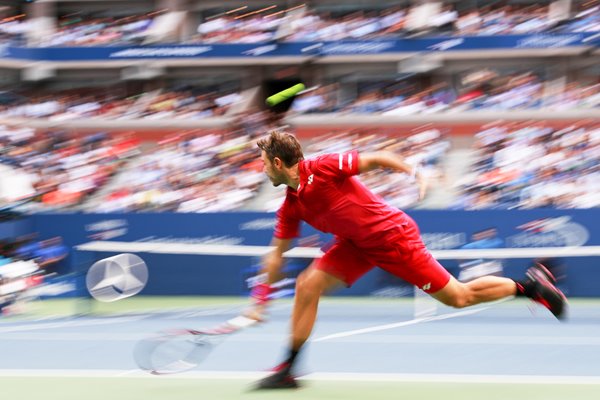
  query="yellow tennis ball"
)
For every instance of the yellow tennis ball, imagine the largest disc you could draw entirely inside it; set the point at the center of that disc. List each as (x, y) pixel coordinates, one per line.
(285, 94)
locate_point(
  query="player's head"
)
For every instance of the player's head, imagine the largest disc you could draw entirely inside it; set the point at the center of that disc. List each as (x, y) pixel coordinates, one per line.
(280, 152)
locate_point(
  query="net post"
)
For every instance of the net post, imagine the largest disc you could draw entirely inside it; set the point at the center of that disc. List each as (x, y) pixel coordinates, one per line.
(424, 305)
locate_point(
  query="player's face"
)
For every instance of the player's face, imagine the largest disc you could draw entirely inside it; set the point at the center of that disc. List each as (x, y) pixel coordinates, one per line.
(275, 176)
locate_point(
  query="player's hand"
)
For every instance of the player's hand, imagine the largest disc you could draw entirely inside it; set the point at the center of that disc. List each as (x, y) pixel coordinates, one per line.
(261, 294)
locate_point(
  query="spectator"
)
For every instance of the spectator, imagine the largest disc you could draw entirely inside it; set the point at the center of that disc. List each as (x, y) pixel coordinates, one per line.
(534, 166)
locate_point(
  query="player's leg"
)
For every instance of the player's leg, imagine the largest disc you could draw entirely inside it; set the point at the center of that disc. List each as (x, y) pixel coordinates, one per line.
(341, 265)
(309, 287)
(538, 285)
(480, 290)
(408, 258)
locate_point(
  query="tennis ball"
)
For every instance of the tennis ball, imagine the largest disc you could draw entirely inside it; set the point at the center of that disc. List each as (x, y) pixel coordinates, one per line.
(285, 94)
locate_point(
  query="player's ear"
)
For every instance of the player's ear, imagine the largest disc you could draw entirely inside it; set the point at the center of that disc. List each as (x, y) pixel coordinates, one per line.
(277, 162)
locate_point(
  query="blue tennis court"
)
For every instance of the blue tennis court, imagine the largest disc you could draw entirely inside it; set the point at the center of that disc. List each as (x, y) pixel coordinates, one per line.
(502, 345)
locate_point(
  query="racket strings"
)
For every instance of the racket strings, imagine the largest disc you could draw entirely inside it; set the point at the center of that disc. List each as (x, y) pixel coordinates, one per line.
(171, 353)
(179, 350)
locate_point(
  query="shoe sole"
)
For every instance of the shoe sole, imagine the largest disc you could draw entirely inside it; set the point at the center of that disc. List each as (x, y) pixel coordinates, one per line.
(294, 385)
(540, 277)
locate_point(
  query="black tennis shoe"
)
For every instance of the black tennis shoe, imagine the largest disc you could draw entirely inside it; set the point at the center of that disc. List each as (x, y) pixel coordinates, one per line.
(545, 292)
(281, 378)
(544, 270)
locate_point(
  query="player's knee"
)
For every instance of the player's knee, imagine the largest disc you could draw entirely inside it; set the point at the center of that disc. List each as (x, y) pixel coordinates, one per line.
(307, 288)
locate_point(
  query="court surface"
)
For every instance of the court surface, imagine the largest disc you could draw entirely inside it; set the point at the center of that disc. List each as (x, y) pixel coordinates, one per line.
(362, 349)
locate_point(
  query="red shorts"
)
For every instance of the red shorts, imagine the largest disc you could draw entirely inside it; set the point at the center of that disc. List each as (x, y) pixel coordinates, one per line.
(402, 254)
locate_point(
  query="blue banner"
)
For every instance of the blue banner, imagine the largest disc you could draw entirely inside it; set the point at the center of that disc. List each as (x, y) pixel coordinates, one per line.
(152, 52)
(324, 48)
(452, 44)
(14, 228)
(440, 229)
(225, 275)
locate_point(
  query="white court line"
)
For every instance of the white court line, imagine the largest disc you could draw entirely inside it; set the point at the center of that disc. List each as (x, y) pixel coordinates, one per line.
(101, 336)
(488, 340)
(411, 322)
(131, 372)
(320, 376)
(188, 311)
(399, 324)
(192, 312)
(109, 320)
(457, 378)
(69, 323)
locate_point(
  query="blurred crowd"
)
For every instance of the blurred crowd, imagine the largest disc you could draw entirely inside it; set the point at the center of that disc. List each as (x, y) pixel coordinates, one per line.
(12, 29)
(482, 90)
(189, 173)
(517, 165)
(185, 102)
(24, 263)
(47, 253)
(430, 19)
(587, 19)
(185, 172)
(528, 165)
(60, 169)
(81, 30)
(301, 23)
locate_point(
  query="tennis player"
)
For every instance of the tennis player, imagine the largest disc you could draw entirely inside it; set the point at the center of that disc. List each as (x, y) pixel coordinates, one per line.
(324, 192)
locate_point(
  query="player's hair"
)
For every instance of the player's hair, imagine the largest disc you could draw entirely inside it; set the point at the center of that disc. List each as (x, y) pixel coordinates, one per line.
(282, 145)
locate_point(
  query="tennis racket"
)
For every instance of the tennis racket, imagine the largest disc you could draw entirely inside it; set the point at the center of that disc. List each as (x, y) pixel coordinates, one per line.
(183, 349)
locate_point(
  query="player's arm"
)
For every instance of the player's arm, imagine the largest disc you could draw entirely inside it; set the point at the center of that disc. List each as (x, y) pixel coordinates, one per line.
(287, 228)
(387, 159)
(271, 271)
(273, 261)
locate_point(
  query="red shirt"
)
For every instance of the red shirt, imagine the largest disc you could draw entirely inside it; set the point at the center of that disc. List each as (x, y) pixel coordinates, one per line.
(332, 200)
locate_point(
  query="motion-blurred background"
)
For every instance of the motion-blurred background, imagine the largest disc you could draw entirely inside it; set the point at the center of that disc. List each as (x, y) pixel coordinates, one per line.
(134, 121)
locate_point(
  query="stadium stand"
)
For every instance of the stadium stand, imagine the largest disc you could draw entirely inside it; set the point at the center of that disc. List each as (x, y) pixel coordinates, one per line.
(62, 168)
(479, 90)
(185, 102)
(307, 23)
(85, 30)
(361, 92)
(534, 166)
(188, 174)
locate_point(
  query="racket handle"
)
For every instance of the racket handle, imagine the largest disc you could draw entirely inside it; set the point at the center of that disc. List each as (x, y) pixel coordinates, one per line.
(241, 321)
